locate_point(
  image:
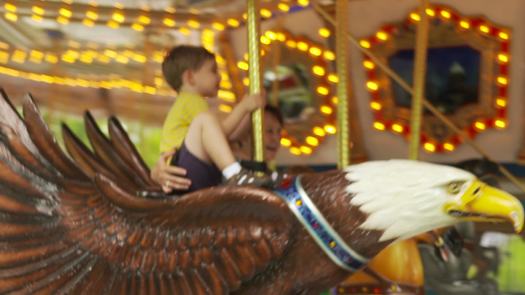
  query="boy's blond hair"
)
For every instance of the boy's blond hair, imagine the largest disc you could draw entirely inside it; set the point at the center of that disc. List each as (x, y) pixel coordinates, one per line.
(182, 58)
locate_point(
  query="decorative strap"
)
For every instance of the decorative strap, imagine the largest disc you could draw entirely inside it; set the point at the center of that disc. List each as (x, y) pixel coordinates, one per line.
(326, 237)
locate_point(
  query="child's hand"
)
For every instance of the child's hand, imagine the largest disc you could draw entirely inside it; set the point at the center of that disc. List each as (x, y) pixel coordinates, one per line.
(169, 177)
(254, 101)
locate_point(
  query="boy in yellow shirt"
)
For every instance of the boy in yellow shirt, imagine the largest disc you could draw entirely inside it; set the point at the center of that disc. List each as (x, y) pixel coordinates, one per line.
(201, 139)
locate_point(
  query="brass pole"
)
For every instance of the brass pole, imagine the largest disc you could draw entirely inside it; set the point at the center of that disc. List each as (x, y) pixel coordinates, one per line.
(341, 46)
(426, 104)
(419, 75)
(255, 76)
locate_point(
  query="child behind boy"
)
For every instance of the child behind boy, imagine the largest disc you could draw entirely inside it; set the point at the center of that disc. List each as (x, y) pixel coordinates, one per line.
(198, 135)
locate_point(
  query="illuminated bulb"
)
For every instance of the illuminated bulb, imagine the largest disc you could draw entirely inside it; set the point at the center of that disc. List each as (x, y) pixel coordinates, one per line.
(430, 12)
(226, 84)
(480, 125)
(19, 56)
(364, 44)
(302, 46)
(375, 106)
(319, 131)
(415, 16)
(322, 90)
(485, 29)
(193, 24)
(217, 26)
(503, 35)
(10, 7)
(65, 12)
(326, 110)
(313, 141)
(295, 150)
(315, 51)
(185, 31)
(266, 13)
(143, 19)
(464, 24)
(51, 58)
(233, 22)
(329, 55)
(369, 64)
(291, 43)
(122, 59)
(303, 2)
(118, 17)
(330, 129)
(503, 58)
(11, 16)
(372, 86)
(445, 14)
(500, 123)
(430, 147)
(62, 20)
(382, 36)
(226, 95)
(397, 128)
(271, 34)
(225, 108)
(265, 40)
(318, 70)
(283, 7)
(379, 126)
(168, 22)
(333, 78)
(88, 22)
(449, 146)
(4, 57)
(38, 10)
(285, 141)
(501, 102)
(243, 65)
(113, 24)
(502, 80)
(137, 27)
(306, 150)
(324, 32)
(335, 100)
(36, 18)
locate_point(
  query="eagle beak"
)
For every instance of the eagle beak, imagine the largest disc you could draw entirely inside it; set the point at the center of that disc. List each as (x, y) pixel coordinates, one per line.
(481, 202)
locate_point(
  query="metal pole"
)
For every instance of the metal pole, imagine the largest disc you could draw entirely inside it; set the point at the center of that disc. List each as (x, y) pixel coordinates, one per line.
(343, 128)
(419, 75)
(255, 76)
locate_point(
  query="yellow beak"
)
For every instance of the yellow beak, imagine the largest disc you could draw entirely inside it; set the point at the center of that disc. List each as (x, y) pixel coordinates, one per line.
(481, 202)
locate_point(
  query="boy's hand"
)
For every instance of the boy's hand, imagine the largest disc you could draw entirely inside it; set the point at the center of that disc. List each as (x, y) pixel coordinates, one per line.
(167, 176)
(254, 101)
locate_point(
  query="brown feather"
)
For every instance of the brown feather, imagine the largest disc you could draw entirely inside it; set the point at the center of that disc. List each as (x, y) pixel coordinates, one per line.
(127, 151)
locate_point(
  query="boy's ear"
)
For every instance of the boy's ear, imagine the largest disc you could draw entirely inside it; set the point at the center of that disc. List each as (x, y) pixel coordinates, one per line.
(187, 77)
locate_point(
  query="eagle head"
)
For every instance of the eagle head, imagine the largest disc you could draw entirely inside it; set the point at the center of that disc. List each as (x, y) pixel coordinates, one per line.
(403, 198)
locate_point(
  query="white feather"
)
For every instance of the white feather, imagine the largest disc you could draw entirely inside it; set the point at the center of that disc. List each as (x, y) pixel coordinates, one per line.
(411, 196)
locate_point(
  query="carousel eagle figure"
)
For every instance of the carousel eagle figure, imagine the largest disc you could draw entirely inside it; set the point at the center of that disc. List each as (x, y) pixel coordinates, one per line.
(75, 223)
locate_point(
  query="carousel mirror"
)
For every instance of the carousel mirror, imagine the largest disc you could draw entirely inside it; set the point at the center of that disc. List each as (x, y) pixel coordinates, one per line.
(291, 87)
(466, 76)
(296, 79)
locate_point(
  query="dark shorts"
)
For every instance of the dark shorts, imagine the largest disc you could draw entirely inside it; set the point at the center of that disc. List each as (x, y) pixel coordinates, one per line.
(201, 174)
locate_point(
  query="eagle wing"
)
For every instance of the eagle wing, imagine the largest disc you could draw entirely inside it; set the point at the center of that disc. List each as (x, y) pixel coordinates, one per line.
(77, 226)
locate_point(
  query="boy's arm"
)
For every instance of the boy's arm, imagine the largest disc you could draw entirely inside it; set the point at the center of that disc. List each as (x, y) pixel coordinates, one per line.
(238, 121)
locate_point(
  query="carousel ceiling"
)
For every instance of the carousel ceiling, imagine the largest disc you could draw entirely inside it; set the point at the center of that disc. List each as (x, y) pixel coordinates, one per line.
(103, 44)
(43, 30)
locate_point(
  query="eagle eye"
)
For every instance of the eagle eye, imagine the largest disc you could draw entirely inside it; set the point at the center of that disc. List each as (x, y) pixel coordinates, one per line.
(454, 187)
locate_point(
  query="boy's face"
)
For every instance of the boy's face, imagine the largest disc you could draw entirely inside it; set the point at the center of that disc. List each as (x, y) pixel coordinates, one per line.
(206, 79)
